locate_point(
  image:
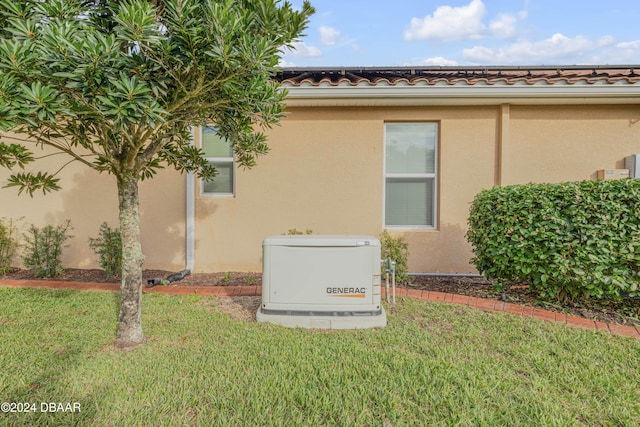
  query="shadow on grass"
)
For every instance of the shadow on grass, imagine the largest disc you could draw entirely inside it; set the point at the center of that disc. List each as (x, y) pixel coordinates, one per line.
(42, 396)
(47, 354)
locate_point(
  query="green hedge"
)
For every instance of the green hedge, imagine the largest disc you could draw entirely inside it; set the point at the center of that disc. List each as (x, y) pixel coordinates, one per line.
(565, 240)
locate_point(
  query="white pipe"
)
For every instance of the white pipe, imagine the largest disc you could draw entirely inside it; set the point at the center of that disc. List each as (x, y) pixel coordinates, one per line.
(190, 216)
(393, 276)
(387, 293)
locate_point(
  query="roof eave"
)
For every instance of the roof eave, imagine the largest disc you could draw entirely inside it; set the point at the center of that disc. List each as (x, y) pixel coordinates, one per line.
(428, 95)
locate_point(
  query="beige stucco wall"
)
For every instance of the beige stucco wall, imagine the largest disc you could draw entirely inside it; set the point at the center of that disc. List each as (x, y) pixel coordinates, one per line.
(319, 175)
(325, 173)
(569, 143)
(88, 199)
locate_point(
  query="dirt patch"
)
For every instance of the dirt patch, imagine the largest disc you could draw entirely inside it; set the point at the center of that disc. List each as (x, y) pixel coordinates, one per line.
(625, 312)
(239, 308)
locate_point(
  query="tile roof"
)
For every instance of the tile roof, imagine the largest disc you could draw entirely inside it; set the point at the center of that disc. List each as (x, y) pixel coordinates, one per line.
(466, 76)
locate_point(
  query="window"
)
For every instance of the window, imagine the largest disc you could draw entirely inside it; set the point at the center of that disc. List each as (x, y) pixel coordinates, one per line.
(219, 153)
(410, 174)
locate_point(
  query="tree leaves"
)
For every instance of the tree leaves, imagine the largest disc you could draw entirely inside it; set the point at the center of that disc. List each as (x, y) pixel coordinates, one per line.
(117, 85)
(136, 25)
(16, 56)
(125, 83)
(14, 155)
(41, 103)
(30, 182)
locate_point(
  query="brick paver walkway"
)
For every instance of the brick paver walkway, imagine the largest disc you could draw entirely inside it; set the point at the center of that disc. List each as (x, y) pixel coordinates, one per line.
(233, 291)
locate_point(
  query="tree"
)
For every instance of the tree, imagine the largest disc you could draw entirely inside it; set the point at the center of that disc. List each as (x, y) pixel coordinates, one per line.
(117, 86)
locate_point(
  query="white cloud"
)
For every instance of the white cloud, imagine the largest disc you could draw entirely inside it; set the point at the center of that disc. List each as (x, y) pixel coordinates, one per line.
(556, 49)
(623, 53)
(605, 41)
(284, 63)
(449, 23)
(634, 45)
(301, 48)
(440, 61)
(463, 23)
(504, 26)
(328, 35)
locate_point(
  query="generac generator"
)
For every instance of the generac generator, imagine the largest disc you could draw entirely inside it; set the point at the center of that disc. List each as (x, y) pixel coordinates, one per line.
(322, 281)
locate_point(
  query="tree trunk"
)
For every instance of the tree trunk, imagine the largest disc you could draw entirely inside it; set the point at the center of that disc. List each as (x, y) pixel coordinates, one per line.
(130, 323)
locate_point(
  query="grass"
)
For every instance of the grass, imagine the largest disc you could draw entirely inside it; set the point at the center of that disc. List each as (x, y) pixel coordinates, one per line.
(434, 364)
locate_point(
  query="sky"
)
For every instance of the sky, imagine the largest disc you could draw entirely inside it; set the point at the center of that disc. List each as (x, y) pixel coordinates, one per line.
(374, 33)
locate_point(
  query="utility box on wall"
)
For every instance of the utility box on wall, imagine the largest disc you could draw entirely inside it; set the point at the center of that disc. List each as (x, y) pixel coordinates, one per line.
(322, 281)
(613, 174)
(632, 163)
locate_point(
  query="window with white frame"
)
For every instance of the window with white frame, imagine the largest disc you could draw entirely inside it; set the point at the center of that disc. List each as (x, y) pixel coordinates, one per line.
(218, 153)
(410, 174)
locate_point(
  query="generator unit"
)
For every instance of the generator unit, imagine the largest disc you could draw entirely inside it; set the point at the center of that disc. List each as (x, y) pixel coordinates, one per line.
(322, 281)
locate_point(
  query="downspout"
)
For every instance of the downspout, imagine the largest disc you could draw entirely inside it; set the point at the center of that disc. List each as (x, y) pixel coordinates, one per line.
(188, 232)
(503, 144)
(190, 216)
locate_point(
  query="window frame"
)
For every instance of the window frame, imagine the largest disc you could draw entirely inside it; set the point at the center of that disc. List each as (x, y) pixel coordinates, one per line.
(412, 176)
(213, 160)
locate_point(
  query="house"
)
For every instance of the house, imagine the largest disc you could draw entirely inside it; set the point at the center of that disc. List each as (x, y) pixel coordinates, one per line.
(366, 149)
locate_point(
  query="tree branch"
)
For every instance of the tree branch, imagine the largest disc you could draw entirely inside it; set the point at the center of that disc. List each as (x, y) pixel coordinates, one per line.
(63, 166)
(63, 149)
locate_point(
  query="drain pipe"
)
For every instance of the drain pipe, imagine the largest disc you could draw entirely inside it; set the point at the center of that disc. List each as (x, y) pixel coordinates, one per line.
(170, 279)
(190, 222)
(189, 230)
(190, 215)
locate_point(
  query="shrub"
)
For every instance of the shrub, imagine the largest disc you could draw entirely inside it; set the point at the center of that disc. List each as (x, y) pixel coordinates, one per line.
(8, 244)
(398, 250)
(565, 240)
(108, 247)
(43, 249)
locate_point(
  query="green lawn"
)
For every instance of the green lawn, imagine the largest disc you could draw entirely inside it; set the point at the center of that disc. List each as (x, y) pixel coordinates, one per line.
(434, 364)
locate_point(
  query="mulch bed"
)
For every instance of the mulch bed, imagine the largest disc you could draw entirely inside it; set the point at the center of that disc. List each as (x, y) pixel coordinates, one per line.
(625, 312)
